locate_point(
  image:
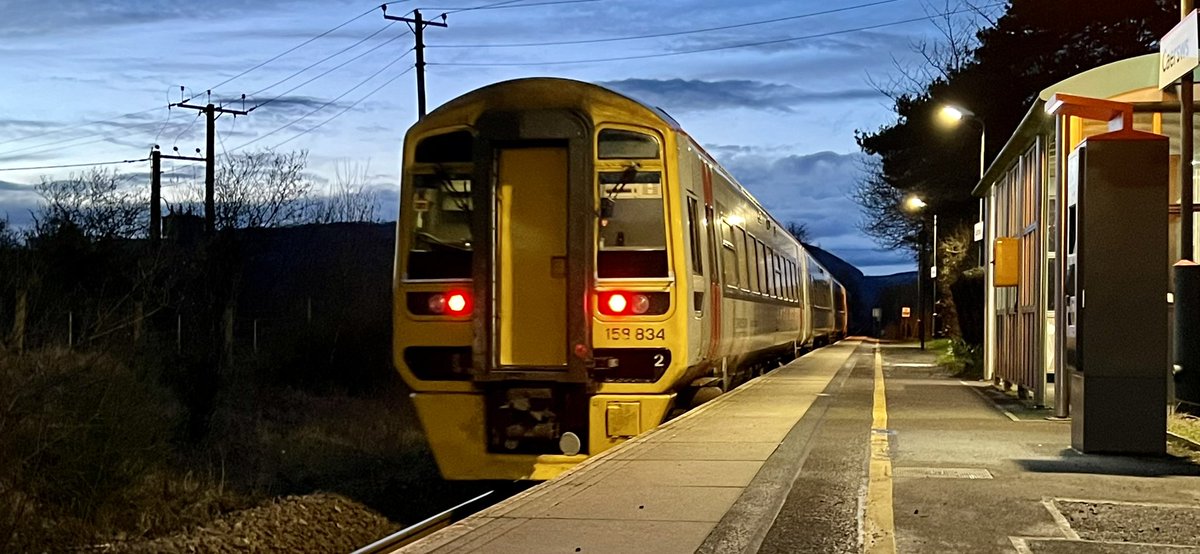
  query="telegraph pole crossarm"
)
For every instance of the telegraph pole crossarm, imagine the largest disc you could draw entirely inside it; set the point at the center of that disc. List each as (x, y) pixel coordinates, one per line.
(156, 157)
(210, 157)
(418, 27)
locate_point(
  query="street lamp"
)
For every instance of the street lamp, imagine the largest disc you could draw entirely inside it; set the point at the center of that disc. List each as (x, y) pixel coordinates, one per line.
(914, 204)
(954, 114)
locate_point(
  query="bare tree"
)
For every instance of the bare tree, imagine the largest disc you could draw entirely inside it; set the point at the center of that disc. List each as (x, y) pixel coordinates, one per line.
(882, 204)
(957, 24)
(100, 203)
(799, 231)
(262, 188)
(348, 197)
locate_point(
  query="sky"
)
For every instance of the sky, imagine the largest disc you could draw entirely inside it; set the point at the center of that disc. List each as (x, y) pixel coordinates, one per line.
(776, 103)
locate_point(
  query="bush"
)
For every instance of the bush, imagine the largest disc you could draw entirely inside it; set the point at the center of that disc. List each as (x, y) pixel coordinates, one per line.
(86, 450)
(964, 359)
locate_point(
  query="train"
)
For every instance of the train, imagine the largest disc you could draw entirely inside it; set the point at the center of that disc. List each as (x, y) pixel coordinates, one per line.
(572, 268)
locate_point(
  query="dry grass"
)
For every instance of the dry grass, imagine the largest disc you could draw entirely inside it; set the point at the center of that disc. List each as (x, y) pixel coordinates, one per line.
(1186, 426)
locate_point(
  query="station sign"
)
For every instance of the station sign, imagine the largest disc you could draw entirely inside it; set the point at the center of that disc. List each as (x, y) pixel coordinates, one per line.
(905, 312)
(978, 234)
(1179, 51)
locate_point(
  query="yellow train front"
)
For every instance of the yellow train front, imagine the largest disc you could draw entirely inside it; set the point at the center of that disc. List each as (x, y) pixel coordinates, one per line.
(570, 267)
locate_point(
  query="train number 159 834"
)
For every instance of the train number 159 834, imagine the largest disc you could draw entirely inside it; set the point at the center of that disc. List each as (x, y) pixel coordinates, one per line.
(635, 333)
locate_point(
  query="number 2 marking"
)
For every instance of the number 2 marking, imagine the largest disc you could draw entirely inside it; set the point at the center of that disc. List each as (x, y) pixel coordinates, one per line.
(658, 360)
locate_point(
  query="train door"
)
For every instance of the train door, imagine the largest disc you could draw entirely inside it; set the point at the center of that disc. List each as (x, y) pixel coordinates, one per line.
(697, 328)
(531, 257)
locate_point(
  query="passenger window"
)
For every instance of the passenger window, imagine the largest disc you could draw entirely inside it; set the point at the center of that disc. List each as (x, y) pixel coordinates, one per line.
(694, 232)
(728, 256)
(752, 255)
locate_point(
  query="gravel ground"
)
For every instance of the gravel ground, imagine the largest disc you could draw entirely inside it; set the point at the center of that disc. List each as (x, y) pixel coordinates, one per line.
(1126, 523)
(311, 523)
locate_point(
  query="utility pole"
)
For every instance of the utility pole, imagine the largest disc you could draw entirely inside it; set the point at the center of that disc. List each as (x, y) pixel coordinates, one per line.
(156, 158)
(418, 28)
(210, 157)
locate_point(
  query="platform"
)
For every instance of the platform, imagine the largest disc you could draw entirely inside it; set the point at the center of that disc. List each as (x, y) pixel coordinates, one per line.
(856, 447)
(667, 490)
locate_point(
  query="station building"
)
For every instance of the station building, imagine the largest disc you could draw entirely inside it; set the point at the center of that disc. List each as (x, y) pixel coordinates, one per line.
(1020, 190)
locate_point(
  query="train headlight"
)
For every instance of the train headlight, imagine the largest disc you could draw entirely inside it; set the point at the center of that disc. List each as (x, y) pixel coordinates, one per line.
(437, 304)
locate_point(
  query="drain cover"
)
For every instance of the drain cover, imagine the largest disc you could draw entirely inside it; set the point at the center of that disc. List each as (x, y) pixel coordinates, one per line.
(942, 472)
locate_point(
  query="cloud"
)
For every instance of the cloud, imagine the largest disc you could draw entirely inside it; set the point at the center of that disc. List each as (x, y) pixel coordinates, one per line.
(698, 95)
(814, 190)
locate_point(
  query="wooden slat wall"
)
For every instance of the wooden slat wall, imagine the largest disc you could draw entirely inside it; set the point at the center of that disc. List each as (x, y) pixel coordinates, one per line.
(1019, 309)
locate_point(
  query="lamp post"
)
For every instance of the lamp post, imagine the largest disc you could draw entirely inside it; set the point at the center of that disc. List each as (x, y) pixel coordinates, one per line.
(915, 205)
(954, 114)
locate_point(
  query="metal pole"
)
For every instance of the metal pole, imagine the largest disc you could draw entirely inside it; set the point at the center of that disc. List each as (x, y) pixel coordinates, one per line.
(1186, 109)
(920, 282)
(1062, 381)
(933, 280)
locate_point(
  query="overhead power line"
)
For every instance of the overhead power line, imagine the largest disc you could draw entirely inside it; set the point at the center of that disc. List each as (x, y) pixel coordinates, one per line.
(76, 126)
(671, 33)
(294, 48)
(328, 71)
(322, 106)
(62, 166)
(319, 62)
(719, 48)
(509, 6)
(346, 109)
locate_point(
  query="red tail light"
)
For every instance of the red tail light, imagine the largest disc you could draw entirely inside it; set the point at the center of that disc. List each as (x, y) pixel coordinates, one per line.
(624, 303)
(617, 303)
(458, 303)
(455, 303)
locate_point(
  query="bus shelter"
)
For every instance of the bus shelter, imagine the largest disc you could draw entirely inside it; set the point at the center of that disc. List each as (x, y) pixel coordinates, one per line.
(1020, 190)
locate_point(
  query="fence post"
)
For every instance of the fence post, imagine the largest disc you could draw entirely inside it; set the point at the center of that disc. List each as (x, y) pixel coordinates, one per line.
(256, 336)
(227, 338)
(179, 333)
(139, 311)
(70, 330)
(309, 316)
(19, 316)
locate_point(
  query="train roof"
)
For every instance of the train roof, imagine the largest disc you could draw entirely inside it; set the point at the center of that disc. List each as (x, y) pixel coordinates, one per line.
(544, 92)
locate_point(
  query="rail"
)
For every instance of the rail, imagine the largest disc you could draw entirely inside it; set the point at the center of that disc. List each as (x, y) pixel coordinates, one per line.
(426, 527)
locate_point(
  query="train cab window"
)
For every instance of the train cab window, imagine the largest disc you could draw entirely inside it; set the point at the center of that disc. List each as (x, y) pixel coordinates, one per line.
(455, 147)
(632, 239)
(618, 144)
(440, 208)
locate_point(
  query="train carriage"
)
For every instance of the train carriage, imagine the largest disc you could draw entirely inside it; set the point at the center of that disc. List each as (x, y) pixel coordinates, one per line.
(571, 266)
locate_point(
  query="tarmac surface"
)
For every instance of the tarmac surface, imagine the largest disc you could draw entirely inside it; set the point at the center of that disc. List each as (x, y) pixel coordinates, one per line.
(817, 456)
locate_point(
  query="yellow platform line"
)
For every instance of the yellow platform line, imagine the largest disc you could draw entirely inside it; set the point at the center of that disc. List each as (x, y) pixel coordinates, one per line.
(879, 531)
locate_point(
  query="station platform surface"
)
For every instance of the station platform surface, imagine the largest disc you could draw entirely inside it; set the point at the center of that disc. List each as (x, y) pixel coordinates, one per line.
(856, 447)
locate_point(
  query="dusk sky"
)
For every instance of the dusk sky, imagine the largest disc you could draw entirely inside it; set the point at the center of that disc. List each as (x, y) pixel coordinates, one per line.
(777, 103)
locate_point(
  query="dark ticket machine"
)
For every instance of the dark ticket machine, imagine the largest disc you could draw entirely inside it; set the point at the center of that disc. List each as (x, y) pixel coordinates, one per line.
(1114, 292)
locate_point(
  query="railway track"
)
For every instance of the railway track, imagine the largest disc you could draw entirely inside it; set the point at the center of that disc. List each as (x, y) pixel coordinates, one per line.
(430, 525)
